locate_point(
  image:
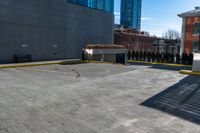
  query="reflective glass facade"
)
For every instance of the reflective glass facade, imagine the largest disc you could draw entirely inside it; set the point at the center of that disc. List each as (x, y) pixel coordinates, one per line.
(105, 5)
(131, 13)
(80, 2)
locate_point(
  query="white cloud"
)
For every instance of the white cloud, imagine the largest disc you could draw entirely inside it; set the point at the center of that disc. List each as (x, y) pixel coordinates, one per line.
(146, 19)
(159, 26)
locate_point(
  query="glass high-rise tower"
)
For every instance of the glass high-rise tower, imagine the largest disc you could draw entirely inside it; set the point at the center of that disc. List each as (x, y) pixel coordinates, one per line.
(105, 5)
(131, 13)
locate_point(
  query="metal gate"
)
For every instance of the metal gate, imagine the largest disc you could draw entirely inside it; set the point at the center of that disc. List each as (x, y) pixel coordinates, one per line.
(120, 58)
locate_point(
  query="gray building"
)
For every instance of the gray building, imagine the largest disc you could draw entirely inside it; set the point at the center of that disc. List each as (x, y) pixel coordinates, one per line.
(50, 29)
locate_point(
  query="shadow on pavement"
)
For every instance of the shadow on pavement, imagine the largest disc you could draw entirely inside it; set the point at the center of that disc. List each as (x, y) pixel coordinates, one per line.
(162, 67)
(181, 100)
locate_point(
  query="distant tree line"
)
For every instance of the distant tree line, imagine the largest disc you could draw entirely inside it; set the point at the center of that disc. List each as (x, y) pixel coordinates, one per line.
(165, 57)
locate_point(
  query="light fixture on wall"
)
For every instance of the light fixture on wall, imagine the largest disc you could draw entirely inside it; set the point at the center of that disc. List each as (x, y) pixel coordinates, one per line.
(55, 45)
(24, 45)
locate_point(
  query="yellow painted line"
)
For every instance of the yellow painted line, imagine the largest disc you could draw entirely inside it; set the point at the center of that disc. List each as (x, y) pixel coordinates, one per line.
(188, 72)
(160, 63)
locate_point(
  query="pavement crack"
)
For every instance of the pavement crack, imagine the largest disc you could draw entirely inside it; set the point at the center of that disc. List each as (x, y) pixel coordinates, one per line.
(77, 73)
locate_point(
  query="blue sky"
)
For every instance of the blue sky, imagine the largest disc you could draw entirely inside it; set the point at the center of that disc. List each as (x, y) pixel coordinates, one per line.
(161, 15)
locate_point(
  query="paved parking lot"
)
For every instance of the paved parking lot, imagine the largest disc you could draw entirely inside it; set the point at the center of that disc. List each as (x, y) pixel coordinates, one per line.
(98, 98)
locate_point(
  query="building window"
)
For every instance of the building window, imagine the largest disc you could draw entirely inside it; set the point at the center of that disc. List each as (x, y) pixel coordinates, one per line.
(105, 5)
(79, 2)
(195, 46)
(196, 28)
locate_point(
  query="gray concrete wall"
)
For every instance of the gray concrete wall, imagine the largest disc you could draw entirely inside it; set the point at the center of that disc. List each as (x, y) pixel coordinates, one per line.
(98, 57)
(50, 29)
(87, 26)
(110, 58)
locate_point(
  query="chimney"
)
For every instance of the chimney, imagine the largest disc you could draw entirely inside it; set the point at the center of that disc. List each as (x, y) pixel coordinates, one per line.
(197, 8)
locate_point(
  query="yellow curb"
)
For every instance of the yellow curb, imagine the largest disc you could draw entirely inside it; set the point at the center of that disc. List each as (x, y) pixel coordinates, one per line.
(101, 62)
(160, 63)
(98, 62)
(188, 72)
(70, 62)
(40, 64)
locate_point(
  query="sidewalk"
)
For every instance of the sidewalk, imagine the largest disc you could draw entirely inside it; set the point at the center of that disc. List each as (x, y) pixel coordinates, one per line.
(40, 63)
(159, 63)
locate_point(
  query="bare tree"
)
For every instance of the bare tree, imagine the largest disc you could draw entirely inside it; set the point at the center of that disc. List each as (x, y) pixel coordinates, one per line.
(172, 34)
(172, 41)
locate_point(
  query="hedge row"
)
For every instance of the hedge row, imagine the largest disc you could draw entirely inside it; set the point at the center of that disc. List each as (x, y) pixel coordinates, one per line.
(161, 57)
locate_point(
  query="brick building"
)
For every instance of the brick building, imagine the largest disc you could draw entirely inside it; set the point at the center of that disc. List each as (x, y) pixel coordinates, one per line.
(134, 40)
(190, 30)
(142, 41)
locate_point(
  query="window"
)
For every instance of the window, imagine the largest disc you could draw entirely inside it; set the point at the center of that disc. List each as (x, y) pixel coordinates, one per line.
(105, 5)
(79, 2)
(196, 28)
(195, 46)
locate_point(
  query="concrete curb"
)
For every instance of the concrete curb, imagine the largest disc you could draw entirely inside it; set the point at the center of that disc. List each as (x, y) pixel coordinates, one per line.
(43, 63)
(160, 63)
(188, 72)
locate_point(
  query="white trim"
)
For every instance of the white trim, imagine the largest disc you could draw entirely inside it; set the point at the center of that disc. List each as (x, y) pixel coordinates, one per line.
(106, 51)
(196, 34)
(183, 36)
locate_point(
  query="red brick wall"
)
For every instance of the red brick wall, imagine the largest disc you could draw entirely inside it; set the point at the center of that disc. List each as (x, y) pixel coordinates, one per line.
(189, 37)
(135, 42)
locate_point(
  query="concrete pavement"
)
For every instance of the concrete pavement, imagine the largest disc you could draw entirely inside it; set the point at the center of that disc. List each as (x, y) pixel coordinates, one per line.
(88, 98)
